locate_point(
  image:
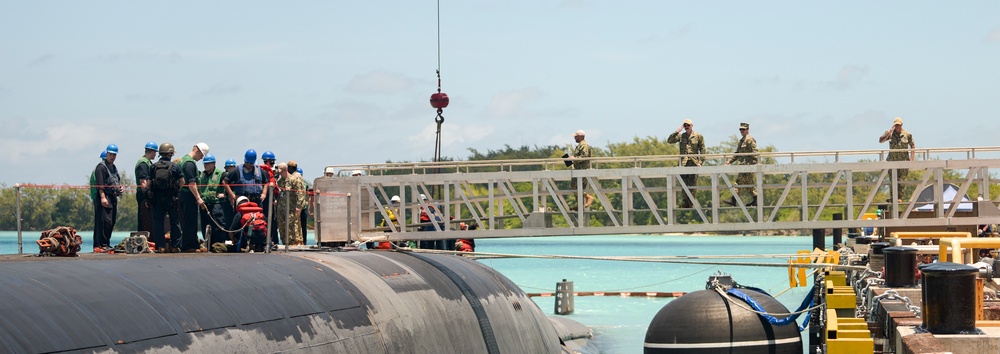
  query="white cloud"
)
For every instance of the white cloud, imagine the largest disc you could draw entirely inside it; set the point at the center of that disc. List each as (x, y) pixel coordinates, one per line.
(511, 104)
(27, 146)
(848, 76)
(993, 36)
(379, 82)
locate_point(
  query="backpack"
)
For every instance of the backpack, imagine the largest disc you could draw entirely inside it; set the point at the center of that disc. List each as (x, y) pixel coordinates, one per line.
(162, 183)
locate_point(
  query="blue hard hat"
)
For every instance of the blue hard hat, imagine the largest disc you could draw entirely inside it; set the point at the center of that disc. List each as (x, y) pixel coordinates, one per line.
(104, 154)
(267, 156)
(230, 163)
(299, 170)
(152, 145)
(112, 149)
(250, 156)
(208, 159)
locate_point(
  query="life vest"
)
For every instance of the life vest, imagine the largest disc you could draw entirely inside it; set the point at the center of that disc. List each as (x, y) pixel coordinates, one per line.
(249, 182)
(463, 245)
(384, 245)
(184, 181)
(252, 214)
(270, 174)
(208, 186)
(142, 161)
(113, 180)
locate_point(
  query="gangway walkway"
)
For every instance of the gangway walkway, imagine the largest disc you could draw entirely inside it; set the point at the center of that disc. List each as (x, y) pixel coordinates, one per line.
(642, 195)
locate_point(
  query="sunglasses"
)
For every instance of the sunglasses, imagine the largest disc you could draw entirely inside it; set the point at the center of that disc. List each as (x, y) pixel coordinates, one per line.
(743, 129)
(687, 125)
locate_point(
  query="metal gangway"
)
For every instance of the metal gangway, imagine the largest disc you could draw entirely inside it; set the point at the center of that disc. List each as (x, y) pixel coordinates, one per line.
(641, 195)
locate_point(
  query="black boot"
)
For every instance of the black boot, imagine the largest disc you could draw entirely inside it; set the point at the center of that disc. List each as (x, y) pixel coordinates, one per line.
(730, 202)
(753, 201)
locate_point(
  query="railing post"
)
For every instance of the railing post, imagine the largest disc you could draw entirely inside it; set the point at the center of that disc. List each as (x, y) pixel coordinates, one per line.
(288, 223)
(270, 211)
(564, 297)
(350, 221)
(838, 233)
(17, 197)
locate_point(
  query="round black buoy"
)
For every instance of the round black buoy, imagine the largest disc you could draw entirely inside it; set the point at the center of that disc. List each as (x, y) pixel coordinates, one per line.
(949, 294)
(900, 267)
(708, 322)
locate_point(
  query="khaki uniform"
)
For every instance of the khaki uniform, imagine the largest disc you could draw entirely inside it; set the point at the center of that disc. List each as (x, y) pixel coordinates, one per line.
(746, 145)
(292, 196)
(689, 144)
(901, 141)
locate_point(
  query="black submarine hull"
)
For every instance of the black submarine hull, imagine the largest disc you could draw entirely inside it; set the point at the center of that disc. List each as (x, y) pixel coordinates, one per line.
(329, 302)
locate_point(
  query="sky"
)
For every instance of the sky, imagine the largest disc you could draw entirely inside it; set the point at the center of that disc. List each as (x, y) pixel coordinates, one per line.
(344, 82)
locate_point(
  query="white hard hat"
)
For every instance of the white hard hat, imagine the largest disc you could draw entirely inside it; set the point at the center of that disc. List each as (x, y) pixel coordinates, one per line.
(395, 199)
(241, 200)
(356, 173)
(328, 169)
(203, 148)
(422, 196)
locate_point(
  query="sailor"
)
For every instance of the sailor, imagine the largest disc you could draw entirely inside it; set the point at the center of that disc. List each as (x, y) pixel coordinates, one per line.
(304, 215)
(246, 181)
(290, 203)
(165, 182)
(213, 214)
(227, 205)
(270, 201)
(462, 244)
(689, 143)
(251, 224)
(142, 169)
(899, 141)
(190, 198)
(93, 177)
(581, 161)
(746, 145)
(391, 211)
(108, 184)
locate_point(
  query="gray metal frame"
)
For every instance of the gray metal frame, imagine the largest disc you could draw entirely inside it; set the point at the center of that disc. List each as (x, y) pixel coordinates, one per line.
(500, 195)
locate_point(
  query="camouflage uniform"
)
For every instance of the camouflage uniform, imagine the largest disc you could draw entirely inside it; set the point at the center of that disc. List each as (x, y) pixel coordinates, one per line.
(746, 145)
(690, 144)
(581, 161)
(901, 141)
(293, 195)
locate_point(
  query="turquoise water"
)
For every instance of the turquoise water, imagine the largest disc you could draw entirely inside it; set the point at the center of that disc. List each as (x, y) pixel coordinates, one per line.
(619, 324)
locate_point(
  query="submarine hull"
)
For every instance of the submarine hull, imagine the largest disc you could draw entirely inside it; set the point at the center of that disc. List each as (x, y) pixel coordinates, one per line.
(330, 302)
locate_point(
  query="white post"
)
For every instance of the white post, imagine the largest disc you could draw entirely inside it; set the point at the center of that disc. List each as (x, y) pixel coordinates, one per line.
(17, 191)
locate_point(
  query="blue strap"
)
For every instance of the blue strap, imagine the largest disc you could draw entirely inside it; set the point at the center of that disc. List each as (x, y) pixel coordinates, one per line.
(806, 303)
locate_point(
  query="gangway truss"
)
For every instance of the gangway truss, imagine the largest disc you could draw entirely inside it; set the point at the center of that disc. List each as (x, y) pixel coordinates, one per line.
(642, 195)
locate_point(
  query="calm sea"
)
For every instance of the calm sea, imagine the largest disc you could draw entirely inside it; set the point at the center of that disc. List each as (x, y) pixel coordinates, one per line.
(619, 323)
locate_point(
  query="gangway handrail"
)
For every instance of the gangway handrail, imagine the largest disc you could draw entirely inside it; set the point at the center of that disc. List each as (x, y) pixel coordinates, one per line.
(792, 157)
